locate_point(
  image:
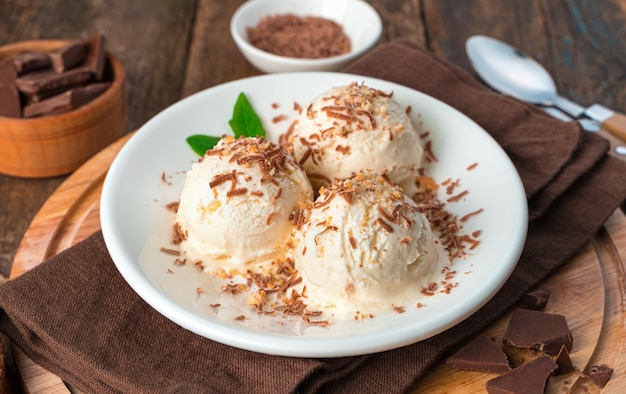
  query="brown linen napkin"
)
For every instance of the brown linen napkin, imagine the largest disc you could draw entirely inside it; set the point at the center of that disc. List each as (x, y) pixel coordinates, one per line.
(76, 316)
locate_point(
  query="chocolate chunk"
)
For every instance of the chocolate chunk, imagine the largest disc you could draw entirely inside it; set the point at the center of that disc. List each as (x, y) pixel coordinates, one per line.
(68, 56)
(542, 331)
(564, 362)
(10, 104)
(529, 378)
(30, 61)
(8, 73)
(39, 81)
(535, 300)
(66, 101)
(482, 354)
(600, 375)
(36, 97)
(96, 55)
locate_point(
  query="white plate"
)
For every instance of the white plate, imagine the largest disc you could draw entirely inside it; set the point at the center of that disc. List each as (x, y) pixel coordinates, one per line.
(135, 222)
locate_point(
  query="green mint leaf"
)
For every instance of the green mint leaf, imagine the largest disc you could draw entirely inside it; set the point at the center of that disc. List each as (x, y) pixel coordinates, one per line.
(201, 143)
(245, 121)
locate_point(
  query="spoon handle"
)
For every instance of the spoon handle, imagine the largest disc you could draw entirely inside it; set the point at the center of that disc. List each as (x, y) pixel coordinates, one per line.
(616, 125)
(612, 121)
(617, 146)
(569, 107)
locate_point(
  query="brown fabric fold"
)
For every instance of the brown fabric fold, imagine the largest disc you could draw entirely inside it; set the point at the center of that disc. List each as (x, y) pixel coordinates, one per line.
(76, 316)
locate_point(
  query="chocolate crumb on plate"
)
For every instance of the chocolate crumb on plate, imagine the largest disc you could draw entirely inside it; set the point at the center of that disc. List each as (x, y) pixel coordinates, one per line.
(482, 355)
(600, 375)
(529, 378)
(564, 361)
(537, 330)
(536, 299)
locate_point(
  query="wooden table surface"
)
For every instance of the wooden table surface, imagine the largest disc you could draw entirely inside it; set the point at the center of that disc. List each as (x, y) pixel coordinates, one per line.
(174, 48)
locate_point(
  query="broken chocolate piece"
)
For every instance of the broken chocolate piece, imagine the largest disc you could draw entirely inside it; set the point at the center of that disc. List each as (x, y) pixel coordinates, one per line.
(66, 101)
(537, 330)
(96, 55)
(564, 362)
(482, 354)
(529, 378)
(8, 73)
(10, 104)
(535, 300)
(68, 56)
(36, 97)
(39, 81)
(600, 375)
(30, 61)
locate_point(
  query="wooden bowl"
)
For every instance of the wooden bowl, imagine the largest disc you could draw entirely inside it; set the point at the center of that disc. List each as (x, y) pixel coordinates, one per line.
(58, 144)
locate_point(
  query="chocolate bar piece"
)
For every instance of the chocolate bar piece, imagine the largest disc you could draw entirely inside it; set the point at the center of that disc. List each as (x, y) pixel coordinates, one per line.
(36, 97)
(39, 81)
(10, 104)
(66, 101)
(600, 375)
(96, 55)
(30, 61)
(537, 330)
(529, 378)
(8, 73)
(482, 354)
(535, 300)
(68, 56)
(564, 361)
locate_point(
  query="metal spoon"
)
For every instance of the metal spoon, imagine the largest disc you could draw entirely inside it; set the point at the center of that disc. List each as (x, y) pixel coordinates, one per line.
(510, 71)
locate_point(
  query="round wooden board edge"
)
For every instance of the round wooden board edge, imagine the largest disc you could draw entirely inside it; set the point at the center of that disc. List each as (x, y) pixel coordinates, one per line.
(35, 245)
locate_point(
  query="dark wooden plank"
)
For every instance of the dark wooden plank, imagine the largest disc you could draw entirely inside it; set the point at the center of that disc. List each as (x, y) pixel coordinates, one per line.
(588, 50)
(451, 23)
(213, 55)
(401, 19)
(19, 202)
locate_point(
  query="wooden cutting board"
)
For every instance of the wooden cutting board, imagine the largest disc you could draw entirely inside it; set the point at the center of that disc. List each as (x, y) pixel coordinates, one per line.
(590, 291)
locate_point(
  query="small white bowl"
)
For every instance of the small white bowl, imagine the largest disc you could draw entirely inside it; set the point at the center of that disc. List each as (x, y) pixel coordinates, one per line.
(360, 22)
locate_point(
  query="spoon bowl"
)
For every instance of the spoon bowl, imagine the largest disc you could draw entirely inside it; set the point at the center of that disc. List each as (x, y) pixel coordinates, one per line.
(510, 71)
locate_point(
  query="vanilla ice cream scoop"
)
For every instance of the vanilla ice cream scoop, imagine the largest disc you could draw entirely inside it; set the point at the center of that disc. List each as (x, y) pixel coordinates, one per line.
(355, 127)
(236, 201)
(363, 247)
